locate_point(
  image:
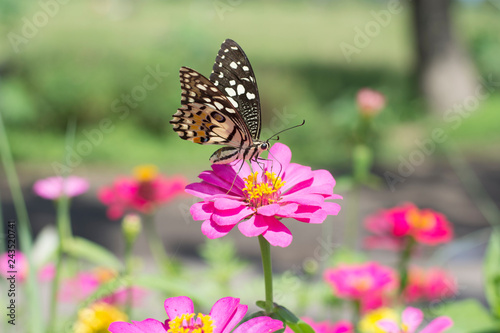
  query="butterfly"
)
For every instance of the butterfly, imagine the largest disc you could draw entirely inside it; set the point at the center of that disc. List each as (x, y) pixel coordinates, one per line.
(223, 110)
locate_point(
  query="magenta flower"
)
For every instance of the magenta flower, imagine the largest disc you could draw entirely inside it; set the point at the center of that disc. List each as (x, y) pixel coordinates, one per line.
(142, 193)
(392, 227)
(53, 188)
(225, 314)
(84, 284)
(411, 318)
(429, 285)
(367, 283)
(257, 201)
(327, 327)
(370, 102)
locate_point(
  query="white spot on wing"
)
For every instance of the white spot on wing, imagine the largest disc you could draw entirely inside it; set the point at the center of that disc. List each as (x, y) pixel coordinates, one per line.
(218, 105)
(250, 95)
(232, 82)
(214, 89)
(240, 89)
(245, 68)
(233, 65)
(234, 47)
(232, 102)
(202, 87)
(231, 92)
(221, 75)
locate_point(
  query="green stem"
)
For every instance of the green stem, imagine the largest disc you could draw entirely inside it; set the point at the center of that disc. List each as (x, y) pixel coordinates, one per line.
(64, 233)
(156, 246)
(128, 272)
(24, 229)
(265, 250)
(351, 234)
(356, 304)
(404, 262)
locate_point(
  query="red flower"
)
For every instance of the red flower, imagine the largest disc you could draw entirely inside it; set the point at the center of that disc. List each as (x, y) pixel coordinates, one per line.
(370, 102)
(429, 285)
(142, 193)
(368, 283)
(391, 227)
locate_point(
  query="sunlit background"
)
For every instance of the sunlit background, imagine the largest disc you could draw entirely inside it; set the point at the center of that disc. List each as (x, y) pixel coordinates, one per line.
(88, 87)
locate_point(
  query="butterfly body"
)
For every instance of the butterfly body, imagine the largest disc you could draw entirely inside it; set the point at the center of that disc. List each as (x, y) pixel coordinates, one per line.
(223, 110)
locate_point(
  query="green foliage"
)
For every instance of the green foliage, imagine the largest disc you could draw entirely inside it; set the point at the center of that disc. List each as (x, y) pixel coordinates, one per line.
(84, 249)
(492, 273)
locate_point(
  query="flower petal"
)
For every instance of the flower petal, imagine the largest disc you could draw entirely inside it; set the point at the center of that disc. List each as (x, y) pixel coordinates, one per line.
(124, 327)
(412, 317)
(438, 325)
(226, 313)
(226, 203)
(260, 325)
(212, 230)
(202, 210)
(150, 326)
(231, 216)
(177, 306)
(268, 210)
(250, 228)
(277, 234)
(388, 326)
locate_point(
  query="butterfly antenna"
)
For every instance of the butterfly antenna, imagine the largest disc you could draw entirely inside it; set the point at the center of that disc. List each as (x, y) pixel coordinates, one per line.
(235, 176)
(286, 129)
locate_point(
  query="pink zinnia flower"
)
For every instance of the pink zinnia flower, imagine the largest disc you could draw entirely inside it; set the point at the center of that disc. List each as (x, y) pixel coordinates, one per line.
(392, 227)
(225, 314)
(429, 285)
(53, 188)
(257, 201)
(370, 101)
(327, 327)
(45, 273)
(368, 283)
(411, 318)
(142, 193)
(84, 284)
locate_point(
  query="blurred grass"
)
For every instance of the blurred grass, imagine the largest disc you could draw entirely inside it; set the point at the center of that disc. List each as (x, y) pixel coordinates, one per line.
(89, 55)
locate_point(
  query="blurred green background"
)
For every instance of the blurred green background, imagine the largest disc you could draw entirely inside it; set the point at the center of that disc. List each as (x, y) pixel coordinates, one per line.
(78, 64)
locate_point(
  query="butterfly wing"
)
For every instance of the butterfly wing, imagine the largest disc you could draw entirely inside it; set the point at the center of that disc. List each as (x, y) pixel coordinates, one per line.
(206, 115)
(233, 75)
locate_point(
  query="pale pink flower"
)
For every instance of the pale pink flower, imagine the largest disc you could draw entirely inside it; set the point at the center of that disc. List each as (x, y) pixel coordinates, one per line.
(84, 284)
(225, 314)
(369, 283)
(370, 102)
(143, 193)
(429, 285)
(327, 327)
(258, 200)
(53, 188)
(411, 318)
(19, 264)
(392, 227)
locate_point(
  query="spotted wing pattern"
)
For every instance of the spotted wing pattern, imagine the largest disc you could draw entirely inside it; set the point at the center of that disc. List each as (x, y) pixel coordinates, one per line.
(233, 75)
(207, 116)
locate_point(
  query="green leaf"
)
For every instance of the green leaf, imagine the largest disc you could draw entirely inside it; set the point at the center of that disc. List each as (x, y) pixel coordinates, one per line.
(292, 321)
(468, 316)
(85, 249)
(492, 273)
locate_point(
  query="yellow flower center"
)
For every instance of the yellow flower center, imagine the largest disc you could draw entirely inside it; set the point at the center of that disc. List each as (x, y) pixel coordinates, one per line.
(418, 219)
(187, 323)
(368, 323)
(97, 318)
(145, 173)
(264, 192)
(104, 274)
(363, 283)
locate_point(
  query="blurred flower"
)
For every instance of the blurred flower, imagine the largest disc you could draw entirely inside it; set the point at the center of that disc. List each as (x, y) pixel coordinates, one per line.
(225, 314)
(16, 261)
(370, 102)
(369, 283)
(19, 263)
(410, 320)
(429, 285)
(143, 193)
(368, 324)
(84, 284)
(97, 317)
(391, 227)
(260, 201)
(53, 188)
(327, 327)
